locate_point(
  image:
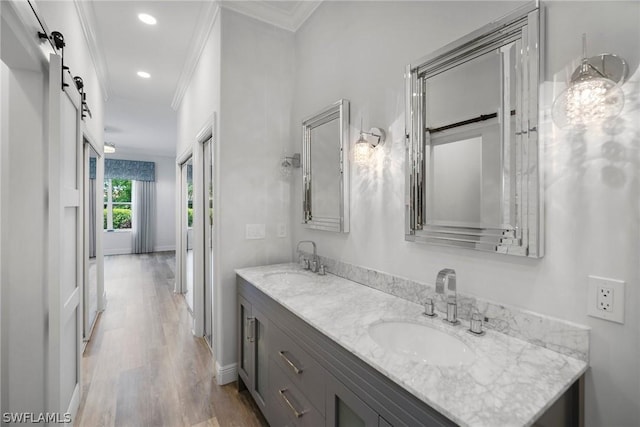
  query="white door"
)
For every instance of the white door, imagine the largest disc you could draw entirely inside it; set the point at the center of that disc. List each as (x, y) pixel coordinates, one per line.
(65, 244)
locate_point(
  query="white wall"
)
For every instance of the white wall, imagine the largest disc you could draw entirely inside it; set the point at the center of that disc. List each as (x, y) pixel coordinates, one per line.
(358, 50)
(119, 242)
(23, 283)
(202, 97)
(244, 75)
(196, 110)
(257, 71)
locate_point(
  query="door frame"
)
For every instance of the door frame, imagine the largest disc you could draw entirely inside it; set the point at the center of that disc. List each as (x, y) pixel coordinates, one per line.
(89, 138)
(88, 143)
(181, 241)
(208, 131)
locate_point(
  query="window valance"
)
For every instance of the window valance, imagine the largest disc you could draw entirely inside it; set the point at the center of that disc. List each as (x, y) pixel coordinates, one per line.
(125, 169)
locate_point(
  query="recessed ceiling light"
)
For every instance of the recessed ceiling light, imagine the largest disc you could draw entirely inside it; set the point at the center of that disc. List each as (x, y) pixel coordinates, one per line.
(147, 19)
(144, 74)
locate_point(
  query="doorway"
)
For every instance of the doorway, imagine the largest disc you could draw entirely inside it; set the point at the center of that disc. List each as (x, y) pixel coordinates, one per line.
(91, 284)
(208, 187)
(186, 232)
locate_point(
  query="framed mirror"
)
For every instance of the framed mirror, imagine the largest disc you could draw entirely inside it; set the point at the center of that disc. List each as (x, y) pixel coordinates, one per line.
(472, 169)
(325, 169)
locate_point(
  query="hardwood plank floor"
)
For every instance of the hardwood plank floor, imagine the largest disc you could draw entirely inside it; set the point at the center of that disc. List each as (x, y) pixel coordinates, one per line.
(143, 367)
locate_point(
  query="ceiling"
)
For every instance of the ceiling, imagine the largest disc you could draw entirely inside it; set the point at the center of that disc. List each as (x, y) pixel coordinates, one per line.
(138, 113)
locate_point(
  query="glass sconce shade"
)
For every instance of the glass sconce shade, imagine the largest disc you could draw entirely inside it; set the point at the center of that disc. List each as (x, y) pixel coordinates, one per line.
(365, 145)
(594, 93)
(285, 168)
(588, 99)
(362, 151)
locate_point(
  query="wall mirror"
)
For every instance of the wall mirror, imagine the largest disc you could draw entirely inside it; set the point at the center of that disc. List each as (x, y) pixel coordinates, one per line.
(473, 177)
(325, 169)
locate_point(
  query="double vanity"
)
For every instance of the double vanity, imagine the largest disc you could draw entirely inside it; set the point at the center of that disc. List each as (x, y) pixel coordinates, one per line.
(359, 347)
(318, 350)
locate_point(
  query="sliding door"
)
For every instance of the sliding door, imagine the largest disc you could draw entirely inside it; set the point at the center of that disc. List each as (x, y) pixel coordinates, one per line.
(65, 240)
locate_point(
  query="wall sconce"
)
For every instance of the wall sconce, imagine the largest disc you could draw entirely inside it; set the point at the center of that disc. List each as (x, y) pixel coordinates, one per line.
(109, 148)
(594, 92)
(366, 143)
(288, 164)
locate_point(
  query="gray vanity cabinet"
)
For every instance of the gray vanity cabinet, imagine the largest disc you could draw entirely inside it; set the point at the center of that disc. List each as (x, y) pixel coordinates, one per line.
(345, 409)
(253, 351)
(307, 379)
(288, 404)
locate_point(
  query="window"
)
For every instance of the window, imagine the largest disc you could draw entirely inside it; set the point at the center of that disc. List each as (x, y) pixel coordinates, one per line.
(117, 204)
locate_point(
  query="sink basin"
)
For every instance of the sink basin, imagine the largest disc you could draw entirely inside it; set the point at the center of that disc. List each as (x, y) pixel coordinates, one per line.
(421, 343)
(289, 276)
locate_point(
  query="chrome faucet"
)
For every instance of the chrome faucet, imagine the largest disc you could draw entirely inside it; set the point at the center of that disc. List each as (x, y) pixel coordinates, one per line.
(449, 275)
(313, 266)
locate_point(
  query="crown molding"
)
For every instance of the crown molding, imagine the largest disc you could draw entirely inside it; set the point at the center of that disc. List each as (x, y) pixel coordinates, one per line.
(267, 12)
(262, 11)
(88, 23)
(304, 10)
(201, 33)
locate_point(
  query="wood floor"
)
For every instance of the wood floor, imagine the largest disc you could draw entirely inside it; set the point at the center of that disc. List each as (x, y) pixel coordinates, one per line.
(143, 367)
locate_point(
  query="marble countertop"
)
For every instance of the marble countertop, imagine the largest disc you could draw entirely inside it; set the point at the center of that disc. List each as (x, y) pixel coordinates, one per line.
(510, 383)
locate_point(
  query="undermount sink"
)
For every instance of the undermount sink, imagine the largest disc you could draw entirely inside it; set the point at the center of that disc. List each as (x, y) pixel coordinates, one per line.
(422, 343)
(289, 276)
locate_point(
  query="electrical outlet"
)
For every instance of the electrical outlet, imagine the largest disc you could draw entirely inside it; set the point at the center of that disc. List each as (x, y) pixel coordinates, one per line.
(282, 229)
(606, 299)
(254, 231)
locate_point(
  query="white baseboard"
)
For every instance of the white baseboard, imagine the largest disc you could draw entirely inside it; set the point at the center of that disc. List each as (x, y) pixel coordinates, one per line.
(127, 251)
(226, 374)
(74, 404)
(116, 251)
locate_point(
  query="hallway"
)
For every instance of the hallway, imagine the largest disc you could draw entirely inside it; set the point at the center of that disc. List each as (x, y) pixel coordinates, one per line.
(143, 367)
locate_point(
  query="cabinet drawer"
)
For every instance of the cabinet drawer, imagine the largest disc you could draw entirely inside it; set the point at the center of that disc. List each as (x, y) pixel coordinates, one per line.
(303, 371)
(288, 405)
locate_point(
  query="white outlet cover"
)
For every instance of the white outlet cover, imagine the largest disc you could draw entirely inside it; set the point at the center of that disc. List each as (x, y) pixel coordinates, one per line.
(282, 229)
(616, 314)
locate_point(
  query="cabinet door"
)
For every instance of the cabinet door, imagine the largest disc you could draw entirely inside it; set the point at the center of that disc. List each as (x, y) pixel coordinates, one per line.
(345, 409)
(260, 358)
(245, 342)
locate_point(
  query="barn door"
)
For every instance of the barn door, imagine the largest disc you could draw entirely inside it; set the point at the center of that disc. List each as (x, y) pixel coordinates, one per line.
(65, 247)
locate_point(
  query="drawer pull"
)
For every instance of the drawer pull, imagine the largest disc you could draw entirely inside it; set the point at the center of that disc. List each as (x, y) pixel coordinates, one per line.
(288, 402)
(290, 363)
(250, 328)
